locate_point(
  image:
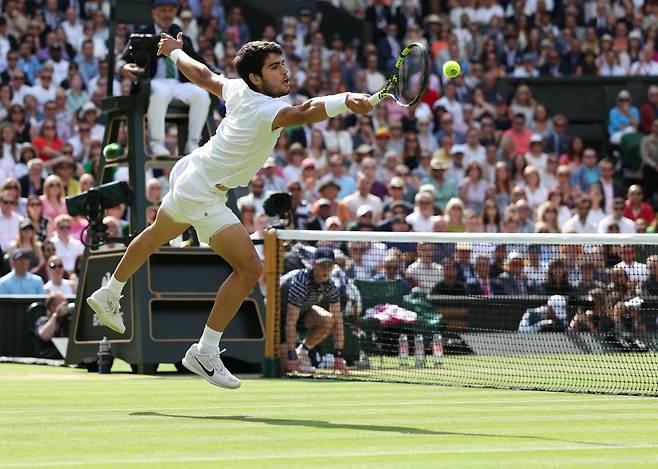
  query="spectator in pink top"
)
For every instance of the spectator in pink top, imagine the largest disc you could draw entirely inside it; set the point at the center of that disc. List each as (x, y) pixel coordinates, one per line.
(520, 134)
(53, 197)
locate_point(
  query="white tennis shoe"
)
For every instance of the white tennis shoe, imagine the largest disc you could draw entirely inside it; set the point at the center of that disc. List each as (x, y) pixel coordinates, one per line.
(305, 364)
(210, 367)
(107, 308)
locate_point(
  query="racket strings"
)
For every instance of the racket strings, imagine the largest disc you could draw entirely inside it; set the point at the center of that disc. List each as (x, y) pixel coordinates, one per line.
(412, 76)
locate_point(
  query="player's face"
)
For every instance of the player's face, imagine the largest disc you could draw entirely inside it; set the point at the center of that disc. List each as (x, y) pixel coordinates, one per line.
(274, 80)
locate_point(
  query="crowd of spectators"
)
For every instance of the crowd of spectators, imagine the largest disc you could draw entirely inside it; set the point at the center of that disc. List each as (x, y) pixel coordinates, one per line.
(466, 159)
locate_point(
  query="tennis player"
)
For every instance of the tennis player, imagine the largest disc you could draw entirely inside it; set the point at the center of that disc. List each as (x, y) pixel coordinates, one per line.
(199, 181)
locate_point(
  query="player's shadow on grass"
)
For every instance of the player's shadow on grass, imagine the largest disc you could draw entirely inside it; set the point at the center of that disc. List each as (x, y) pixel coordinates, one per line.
(323, 424)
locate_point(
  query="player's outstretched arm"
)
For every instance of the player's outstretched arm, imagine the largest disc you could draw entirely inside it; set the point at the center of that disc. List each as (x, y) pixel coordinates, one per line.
(322, 108)
(194, 70)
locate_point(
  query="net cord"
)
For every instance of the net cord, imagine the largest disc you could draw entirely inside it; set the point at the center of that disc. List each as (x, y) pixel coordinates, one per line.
(517, 238)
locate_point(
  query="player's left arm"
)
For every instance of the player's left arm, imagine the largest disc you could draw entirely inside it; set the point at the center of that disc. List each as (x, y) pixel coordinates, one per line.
(195, 71)
(322, 108)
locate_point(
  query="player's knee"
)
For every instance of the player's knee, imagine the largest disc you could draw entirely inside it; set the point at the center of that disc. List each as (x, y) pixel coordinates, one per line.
(251, 272)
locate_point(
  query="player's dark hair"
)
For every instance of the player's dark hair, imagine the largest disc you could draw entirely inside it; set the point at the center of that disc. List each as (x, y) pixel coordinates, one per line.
(251, 58)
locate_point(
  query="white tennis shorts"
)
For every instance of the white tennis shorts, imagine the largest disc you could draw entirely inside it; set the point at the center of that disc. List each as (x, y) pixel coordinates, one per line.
(189, 200)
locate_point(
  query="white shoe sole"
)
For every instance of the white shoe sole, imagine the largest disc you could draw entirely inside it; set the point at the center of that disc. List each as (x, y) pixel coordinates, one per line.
(190, 365)
(100, 313)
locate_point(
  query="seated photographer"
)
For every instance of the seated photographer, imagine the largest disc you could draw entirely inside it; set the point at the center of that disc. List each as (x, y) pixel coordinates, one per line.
(167, 82)
(310, 297)
(551, 317)
(627, 316)
(597, 318)
(55, 324)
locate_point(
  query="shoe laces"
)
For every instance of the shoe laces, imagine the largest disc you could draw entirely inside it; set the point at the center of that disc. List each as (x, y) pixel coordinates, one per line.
(216, 360)
(115, 303)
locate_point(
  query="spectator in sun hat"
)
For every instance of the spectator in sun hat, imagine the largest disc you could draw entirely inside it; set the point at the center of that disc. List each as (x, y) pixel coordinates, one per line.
(65, 168)
(512, 281)
(271, 175)
(328, 190)
(89, 113)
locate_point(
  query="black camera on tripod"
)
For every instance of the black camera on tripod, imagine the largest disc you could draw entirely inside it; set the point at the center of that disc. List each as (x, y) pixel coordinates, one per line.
(279, 204)
(92, 205)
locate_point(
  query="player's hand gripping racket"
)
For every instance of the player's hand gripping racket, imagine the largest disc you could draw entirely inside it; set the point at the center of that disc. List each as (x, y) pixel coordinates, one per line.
(409, 78)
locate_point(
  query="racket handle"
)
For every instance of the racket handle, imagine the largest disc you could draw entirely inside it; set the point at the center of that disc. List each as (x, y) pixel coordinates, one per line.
(375, 98)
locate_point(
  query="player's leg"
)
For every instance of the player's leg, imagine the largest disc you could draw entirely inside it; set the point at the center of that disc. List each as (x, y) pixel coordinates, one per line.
(163, 230)
(199, 102)
(233, 244)
(159, 100)
(105, 300)
(235, 247)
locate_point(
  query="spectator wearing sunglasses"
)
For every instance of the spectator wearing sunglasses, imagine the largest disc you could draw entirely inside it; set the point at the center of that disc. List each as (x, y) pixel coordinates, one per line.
(66, 246)
(56, 281)
(10, 220)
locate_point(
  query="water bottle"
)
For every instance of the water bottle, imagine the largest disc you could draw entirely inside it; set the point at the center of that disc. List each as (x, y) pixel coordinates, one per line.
(104, 356)
(403, 350)
(437, 350)
(364, 361)
(419, 351)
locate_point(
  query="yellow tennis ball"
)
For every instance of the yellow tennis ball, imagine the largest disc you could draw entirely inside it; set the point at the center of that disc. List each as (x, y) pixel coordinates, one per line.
(451, 69)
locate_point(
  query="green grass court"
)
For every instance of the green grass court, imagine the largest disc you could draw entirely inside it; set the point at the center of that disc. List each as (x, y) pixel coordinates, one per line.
(71, 418)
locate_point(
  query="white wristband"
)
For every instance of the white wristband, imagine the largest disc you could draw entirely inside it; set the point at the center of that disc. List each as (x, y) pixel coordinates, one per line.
(335, 104)
(176, 54)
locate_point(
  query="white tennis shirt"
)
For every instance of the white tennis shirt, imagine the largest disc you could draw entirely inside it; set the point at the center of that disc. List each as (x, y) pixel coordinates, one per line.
(244, 139)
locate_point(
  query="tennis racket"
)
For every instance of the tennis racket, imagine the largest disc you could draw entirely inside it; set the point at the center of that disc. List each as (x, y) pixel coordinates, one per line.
(408, 81)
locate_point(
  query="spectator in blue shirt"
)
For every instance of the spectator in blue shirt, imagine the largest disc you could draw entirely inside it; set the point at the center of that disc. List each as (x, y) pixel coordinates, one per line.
(623, 118)
(28, 62)
(20, 281)
(87, 63)
(588, 172)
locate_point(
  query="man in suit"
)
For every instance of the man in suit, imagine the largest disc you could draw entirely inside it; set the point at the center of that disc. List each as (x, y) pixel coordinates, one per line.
(167, 82)
(480, 284)
(379, 15)
(32, 182)
(558, 140)
(388, 46)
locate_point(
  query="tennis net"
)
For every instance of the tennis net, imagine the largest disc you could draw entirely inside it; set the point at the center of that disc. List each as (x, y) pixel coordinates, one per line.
(551, 312)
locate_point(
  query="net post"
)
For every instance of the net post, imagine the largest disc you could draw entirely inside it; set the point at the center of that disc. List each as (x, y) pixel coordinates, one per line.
(273, 261)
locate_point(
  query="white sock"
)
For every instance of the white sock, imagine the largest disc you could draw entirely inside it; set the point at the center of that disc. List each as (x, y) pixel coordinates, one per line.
(209, 341)
(115, 286)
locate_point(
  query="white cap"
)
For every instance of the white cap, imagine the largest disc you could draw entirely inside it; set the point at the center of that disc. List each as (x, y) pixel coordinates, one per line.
(558, 304)
(363, 209)
(456, 149)
(536, 138)
(514, 256)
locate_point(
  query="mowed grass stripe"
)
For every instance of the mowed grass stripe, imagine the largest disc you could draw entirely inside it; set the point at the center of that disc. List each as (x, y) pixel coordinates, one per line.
(180, 421)
(550, 457)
